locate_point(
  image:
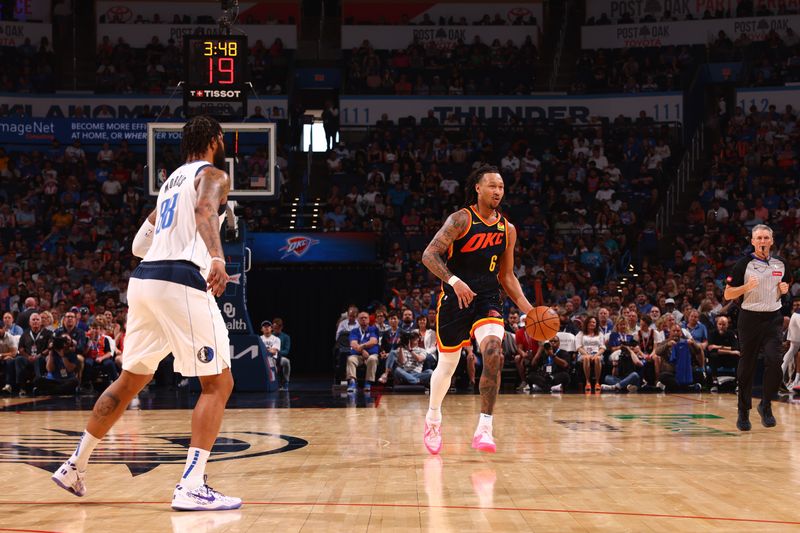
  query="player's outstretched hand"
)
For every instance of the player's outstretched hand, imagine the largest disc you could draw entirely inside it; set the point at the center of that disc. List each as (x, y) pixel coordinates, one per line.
(464, 294)
(217, 278)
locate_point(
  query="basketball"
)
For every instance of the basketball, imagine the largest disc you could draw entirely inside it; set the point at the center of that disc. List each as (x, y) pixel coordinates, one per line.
(542, 323)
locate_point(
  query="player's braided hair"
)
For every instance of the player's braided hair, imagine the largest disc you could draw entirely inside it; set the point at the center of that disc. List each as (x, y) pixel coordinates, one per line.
(197, 135)
(470, 194)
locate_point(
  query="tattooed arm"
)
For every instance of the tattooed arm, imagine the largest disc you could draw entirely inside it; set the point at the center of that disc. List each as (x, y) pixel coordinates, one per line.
(506, 276)
(433, 256)
(212, 191)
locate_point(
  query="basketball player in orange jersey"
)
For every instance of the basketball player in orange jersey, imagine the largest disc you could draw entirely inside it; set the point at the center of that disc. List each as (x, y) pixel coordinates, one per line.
(473, 255)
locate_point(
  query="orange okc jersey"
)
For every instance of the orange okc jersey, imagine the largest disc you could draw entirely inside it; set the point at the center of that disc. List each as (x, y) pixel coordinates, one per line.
(475, 255)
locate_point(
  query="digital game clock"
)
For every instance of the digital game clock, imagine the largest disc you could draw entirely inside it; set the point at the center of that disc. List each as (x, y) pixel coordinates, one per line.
(215, 72)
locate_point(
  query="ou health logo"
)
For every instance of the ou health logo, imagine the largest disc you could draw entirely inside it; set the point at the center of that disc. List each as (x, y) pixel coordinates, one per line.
(298, 246)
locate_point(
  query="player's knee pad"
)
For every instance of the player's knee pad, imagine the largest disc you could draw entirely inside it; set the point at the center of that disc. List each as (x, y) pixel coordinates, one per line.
(448, 361)
(486, 330)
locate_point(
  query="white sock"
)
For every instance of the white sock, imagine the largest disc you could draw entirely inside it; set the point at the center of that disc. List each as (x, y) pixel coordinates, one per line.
(440, 380)
(195, 468)
(80, 457)
(485, 421)
(434, 415)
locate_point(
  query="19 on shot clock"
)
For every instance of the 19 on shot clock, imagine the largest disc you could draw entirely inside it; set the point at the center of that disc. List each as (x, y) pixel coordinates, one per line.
(216, 76)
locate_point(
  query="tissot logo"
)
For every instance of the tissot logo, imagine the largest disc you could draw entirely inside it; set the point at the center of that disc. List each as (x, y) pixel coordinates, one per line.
(140, 452)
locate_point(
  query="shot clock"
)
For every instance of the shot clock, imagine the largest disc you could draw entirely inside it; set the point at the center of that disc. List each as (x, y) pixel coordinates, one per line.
(216, 76)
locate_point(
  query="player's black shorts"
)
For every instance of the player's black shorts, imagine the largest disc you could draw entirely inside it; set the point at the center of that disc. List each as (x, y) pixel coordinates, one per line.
(455, 326)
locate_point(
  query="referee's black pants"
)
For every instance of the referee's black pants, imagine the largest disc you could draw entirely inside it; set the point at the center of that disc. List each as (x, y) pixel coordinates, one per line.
(759, 332)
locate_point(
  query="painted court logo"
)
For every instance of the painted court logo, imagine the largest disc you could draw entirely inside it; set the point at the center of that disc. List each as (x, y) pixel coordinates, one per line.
(140, 452)
(297, 245)
(205, 354)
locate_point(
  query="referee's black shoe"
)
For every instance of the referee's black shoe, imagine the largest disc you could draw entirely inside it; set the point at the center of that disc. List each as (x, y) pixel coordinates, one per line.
(743, 423)
(765, 410)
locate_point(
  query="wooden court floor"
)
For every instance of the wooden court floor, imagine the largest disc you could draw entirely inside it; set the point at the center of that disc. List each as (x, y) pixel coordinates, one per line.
(571, 463)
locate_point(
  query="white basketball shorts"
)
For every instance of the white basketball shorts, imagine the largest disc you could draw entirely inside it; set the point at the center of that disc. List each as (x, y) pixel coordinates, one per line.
(170, 311)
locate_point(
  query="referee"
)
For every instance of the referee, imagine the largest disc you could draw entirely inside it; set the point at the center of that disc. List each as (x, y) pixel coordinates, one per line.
(762, 279)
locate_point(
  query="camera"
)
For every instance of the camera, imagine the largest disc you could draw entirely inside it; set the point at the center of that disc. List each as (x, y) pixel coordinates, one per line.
(59, 343)
(547, 345)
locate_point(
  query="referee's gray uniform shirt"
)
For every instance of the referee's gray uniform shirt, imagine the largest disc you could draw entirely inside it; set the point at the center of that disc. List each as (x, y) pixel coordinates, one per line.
(765, 297)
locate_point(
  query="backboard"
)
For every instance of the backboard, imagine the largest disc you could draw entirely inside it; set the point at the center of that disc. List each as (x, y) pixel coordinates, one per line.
(249, 151)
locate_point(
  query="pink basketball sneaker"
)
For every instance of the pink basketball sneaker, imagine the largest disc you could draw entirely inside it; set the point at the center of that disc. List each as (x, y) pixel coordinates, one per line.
(433, 437)
(483, 440)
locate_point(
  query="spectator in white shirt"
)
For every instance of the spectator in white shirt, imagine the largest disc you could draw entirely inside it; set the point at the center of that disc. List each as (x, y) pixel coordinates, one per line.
(271, 342)
(529, 164)
(342, 151)
(509, 163)
(74, 153)
(604, 193)
(600, 160)
(348, 322)
(105, 154)
(717, 212)
(333, 162)
(612, 172)
(662, 150)
(591, 345)
(449, 184)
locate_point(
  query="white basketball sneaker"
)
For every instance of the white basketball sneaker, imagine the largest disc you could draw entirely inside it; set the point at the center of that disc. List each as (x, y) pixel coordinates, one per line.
(69, 478)
(203, 498)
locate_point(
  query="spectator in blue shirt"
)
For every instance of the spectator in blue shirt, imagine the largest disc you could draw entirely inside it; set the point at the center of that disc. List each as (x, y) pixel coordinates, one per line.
(363, 351)
(642, 304)
(697, 330)
(9, 325)
(397, 196)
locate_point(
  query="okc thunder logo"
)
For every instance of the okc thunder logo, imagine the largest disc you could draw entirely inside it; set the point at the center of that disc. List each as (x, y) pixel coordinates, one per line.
(297, 245)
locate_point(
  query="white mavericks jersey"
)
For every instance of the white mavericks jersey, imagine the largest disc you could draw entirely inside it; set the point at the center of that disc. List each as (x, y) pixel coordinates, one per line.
(175, 237)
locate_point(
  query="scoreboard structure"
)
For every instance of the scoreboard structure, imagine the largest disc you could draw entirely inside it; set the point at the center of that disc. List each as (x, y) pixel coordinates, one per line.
(216, 78)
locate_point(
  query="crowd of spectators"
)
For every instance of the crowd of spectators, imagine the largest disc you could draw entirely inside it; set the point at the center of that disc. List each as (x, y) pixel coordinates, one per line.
(428, 69)
(633, 314)
(123, 16)
(634, 70)
(28, 67)
(451, 20)
(744, 8)
(771, 61)
(752, 180)
(582, 198)
(65, 233)
(774, 61)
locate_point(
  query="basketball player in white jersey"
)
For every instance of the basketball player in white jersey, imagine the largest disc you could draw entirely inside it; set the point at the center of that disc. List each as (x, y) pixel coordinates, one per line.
(172, 310)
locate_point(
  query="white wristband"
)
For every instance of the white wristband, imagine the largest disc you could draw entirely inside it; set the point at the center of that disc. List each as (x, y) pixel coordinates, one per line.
(452, 281)
(221, 260)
